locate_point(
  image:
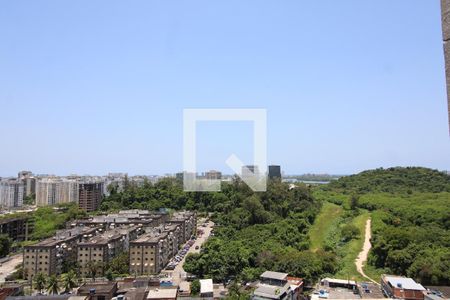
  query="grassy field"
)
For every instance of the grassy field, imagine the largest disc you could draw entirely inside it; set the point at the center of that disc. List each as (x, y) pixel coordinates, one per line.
(352, 249)
(324, 223)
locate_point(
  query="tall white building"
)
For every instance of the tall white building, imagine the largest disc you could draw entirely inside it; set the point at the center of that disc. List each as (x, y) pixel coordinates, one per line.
(51, 191)
(11, 193)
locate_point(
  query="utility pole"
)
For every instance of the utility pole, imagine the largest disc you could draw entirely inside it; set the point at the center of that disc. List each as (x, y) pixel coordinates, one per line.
(445, 10)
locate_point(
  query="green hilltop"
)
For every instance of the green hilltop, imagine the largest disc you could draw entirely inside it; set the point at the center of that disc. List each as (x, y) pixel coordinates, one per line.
(394, 180)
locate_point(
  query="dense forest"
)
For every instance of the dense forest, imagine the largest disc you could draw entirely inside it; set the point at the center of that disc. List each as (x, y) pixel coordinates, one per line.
(394, 180)
(410, 209)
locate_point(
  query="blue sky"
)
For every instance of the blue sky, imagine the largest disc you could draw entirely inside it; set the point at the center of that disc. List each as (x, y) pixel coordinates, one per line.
(91, 87)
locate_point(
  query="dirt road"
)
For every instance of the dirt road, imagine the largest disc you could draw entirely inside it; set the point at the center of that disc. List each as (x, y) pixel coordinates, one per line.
(362, 257)
(9, 266)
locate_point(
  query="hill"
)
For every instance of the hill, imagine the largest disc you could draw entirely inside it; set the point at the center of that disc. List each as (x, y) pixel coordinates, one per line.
(394, 180)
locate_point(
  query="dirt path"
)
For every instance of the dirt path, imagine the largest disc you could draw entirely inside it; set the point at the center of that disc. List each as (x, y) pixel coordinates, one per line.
(362, 257)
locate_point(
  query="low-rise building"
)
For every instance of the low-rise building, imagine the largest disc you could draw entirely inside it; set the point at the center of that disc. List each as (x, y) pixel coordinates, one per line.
(163, 293)
(276, 285)
(188, 222)
(206, 288)
(98, 251)
(402, 287)
(141, 218)
(53, 255)
(175, 238)
(98, 290)
(150, 253)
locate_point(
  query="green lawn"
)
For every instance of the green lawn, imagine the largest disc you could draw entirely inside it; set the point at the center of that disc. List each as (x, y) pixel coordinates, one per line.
(324, 223)
(352, 249)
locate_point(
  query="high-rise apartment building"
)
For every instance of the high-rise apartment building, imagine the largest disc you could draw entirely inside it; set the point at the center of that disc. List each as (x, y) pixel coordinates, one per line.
(211, 175)
(11, 193)
(90, 195)
(51, 191)
(29, 182)
(17, 227)
(249, 171)
(274, 172)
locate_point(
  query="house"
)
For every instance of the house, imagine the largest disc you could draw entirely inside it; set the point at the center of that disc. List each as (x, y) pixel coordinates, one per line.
(402, 288)
(206, 288)
(98, 290)
(163, 294)
(278, 286)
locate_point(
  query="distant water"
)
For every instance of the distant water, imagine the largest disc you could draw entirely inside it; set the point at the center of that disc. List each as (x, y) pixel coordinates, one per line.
(292, 180)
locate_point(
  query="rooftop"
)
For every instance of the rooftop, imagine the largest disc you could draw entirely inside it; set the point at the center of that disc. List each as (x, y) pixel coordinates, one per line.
(271, 291)
(338, 281)
(108, 236)
(100, 287)
(162, 293)
(151, 237)
(63, 236)
(403, 282)
(206, 286)
(274, 275)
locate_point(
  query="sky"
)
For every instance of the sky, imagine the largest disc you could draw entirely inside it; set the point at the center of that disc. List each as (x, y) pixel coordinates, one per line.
(91, 87)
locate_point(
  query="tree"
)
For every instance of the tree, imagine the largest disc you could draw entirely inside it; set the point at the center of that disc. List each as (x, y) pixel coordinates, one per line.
(195, 287)
(39, 282)
(5, 245)
(354, 202)
(69, 280)
(349, 232)
(53, 285)
(119, 264)
(93, 268)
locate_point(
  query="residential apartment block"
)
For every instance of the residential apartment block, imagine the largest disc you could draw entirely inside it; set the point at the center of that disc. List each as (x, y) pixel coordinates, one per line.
(18, 228)
(11, 193)
(29, 182)
(188, 222)
(152, 252)
(149, 254)
(126, 217)
(151, 239)
(274, 172)
(51, 256)
(90, 195)
(213, 175)
(55, 190)
(99, 250)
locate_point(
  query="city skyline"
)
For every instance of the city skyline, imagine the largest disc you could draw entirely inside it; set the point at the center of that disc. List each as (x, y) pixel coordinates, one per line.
(98, 97)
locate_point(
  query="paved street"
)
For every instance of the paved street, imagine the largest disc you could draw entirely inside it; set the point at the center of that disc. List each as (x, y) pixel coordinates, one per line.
(9, 266)
(178, 275)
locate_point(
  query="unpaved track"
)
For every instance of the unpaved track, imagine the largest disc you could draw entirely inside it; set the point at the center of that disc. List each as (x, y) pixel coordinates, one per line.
(362, 257)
